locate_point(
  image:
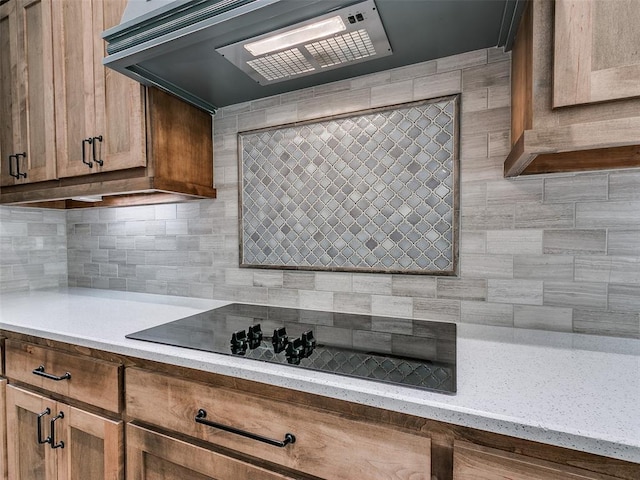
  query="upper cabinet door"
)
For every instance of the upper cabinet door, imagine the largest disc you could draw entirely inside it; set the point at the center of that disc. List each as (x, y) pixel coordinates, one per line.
(596, 54)
(26, 92)
(99, 112)
(118, 99)
(8, 91)
(74, 85)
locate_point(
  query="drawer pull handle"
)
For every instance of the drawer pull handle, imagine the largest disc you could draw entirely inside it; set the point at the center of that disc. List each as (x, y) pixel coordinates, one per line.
(52, 438)
(288, 437)
(40, 371)
(39, 425)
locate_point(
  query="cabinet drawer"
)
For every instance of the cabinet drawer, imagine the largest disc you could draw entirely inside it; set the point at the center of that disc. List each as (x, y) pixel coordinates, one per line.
(150, 454)
(326, 445)
(473, 462)
(92, 381)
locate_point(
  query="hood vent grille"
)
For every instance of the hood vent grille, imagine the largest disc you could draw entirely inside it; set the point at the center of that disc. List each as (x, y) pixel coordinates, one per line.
(342, 49)
(281, 65)
(362, 37)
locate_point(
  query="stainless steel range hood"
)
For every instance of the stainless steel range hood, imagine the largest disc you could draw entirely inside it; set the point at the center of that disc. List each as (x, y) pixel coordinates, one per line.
(186, 46)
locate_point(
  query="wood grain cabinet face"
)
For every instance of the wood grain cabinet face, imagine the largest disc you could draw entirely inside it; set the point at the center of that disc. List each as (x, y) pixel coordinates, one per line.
(92, 381)
(327, 445)
(154, 456)
(473, 462)
(99, 113)
(596, 55)
(575, 87)
(27, 123)
(89, 446)
(3, 429)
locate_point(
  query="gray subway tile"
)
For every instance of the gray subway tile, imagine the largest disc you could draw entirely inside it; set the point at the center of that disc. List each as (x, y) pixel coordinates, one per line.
(413, 286)
(565, 241)
(352, 302)
(462, 289)
(579, 188)
(484, 76)
(517, 292)
(606, 323)
(514, 242)
(623, 242)
(624, 298)
(576, 294)
(486, 266)
(543, 318)
(316, 300)
(534, 215)
(503, 191)
(462, 60)
(608, 214)
(436, 309)
(487, 218)
(500, 314)
(624, 185)
(543, 267)
(391, 306)
(437, 85)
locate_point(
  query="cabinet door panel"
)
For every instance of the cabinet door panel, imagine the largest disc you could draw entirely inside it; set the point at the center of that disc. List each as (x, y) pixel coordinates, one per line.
(93, 446)
(35, 68)
(26, 458)
(118, 99)
(473, 462)
(595, 51)
(154, 456)
(26, 91)
(8, 89)
(3, 430)
(74, 84)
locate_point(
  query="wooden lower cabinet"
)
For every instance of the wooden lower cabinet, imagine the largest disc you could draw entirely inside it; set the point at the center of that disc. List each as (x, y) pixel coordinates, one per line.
(87, 446)
(473, 462)
(327, 445)
(3, 430)
(155, 456)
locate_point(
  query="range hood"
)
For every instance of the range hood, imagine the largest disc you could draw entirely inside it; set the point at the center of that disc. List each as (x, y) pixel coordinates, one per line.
(201, 50)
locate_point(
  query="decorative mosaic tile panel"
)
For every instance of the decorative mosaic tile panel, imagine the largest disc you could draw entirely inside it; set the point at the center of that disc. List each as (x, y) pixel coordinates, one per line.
(373, 192)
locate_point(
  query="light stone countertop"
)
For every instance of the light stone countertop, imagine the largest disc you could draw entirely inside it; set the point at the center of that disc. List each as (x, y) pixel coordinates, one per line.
(570, 390)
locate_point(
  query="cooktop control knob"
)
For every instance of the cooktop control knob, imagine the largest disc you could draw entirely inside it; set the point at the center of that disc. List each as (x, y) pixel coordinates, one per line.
(308, 343)
(279, 339)
(295, 351)
(239, 342)
(255, 336)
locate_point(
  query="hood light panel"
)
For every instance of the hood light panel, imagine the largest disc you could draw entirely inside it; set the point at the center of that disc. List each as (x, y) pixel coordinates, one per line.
(288, 39)
(343, 37)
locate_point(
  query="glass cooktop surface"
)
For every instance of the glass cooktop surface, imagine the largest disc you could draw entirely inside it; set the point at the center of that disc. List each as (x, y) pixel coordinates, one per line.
(409, 352)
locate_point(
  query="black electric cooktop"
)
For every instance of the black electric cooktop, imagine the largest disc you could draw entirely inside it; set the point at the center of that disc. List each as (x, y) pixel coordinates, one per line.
(415, 353)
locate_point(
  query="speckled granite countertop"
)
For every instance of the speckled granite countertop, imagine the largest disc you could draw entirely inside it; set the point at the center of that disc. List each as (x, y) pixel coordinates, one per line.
(570, 390)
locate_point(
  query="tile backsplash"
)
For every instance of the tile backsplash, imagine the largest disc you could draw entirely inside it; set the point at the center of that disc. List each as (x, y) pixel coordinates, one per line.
(33, 249)
(560, 252)
(374, 191)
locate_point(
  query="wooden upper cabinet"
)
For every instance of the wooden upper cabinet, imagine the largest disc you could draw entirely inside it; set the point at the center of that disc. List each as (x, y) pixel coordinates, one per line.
(596, 54)
(27, 123)
(99, 113)
(575, 87)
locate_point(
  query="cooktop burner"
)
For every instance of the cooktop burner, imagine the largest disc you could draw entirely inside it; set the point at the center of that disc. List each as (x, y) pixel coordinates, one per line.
(414, 353)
